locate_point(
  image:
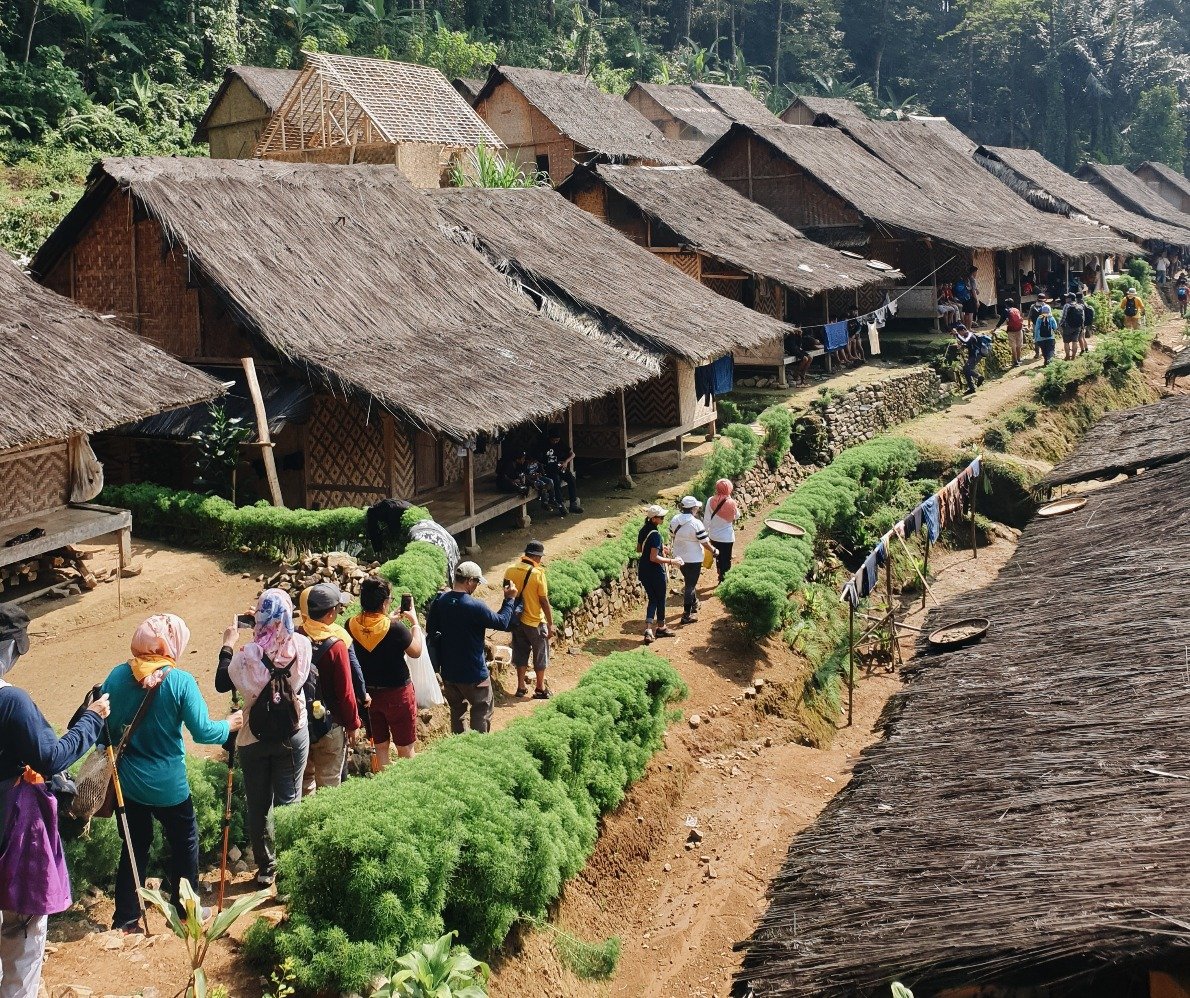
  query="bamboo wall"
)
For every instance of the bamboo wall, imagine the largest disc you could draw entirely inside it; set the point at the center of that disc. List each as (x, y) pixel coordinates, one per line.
(423, 164)
(236, 123)
(526, 132)
(33, 479)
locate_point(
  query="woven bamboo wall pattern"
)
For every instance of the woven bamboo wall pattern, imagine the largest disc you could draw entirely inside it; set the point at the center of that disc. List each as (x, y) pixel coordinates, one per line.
(345, 463)
(769, 298)
(654, 403)
(728, 289)
(33, 480)
(402, 462)
(687, 263)
(591, 201)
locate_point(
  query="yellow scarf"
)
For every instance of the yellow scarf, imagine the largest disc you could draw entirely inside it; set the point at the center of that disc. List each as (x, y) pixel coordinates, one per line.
(317, 631)
(369, 629)
(143, 666)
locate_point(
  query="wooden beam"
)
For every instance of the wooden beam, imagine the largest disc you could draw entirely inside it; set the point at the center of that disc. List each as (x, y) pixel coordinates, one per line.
(135, 268)
(626, 479)
(262, 430)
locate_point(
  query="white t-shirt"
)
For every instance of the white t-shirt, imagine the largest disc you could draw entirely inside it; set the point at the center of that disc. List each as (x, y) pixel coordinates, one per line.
(688, 533)
(1162, 263)
(720, 529)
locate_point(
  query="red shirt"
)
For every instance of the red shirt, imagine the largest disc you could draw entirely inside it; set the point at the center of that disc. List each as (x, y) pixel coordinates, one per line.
(334, 674)
(1015, 323)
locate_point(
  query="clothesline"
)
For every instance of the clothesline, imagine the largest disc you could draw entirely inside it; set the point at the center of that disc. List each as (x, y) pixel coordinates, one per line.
(942, 508)
(889, 305)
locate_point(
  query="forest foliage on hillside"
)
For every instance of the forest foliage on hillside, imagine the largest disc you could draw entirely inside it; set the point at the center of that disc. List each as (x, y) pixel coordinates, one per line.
(1076, 79)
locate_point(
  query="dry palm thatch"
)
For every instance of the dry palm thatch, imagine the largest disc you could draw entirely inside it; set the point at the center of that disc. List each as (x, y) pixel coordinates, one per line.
(714, 219)
(687, 106)
(467, 87)
(949, 133)
(737, 103)
(837, 109)
(1124, 187)
(1178, 181)
(348, 272)
(566, 253)
(268, 85)
(995, 217)
(598, 122)
(1126, 441)
(64, 370)
(1052, 189)
(1022, 819)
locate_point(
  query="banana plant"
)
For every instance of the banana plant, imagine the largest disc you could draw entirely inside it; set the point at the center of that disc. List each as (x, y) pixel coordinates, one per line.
(194, 933)
(435, 970)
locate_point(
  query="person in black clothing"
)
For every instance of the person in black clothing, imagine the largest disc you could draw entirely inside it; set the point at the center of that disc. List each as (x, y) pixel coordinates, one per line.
(512, 473)
(26, 739)
(557, 460)
(456, 623)
(798, 345)
(381, 644)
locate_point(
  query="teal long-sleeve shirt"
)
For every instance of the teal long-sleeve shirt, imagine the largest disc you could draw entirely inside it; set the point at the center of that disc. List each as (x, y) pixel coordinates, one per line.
(153, 766)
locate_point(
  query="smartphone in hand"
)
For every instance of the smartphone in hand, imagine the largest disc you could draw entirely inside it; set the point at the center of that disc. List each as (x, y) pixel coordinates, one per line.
(246, 621)
(407, 603)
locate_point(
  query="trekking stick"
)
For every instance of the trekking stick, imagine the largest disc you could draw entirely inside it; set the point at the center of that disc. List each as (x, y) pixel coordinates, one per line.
(122, 818)
(231, 773)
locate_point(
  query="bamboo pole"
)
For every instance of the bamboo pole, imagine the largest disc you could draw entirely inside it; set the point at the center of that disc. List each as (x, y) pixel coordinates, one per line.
(926, 567)
(892, 614)
(850, 664)
(974, 490)
(262, 430)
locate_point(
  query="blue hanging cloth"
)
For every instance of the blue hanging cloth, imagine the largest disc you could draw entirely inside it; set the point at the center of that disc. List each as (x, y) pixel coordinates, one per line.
(933, 517)
(836, 335)
(715, 378)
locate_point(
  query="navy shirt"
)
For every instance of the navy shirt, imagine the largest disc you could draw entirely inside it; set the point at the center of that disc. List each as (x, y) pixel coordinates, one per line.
(463, 622)
(26, 738)
(647, 568)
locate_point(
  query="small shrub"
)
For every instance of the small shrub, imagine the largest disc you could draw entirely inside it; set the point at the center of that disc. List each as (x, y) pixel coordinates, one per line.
(778, 434)
(420, 570)
(732, 455)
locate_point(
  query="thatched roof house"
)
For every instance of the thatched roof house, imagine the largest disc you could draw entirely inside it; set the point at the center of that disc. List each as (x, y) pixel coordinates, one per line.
(347, 279)
(679, 111)
(1127, 442)
(1168, 182)
(945, 131)
(66, 373)
(806, 109)
(1020, 823)
(550, 121)
(892, 191)
(349, 109)
(1049, 188)
(565, 256)
(241, 109)
(467, 87)
(1125, 188)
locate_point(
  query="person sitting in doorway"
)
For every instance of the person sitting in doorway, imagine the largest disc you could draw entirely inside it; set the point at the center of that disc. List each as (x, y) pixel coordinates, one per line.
(853, 353)
(949, 309)
(799, 345)
(557, 461)
(512, 473)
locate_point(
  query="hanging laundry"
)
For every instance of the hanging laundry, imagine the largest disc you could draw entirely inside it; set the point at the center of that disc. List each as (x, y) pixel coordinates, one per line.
(873, 338)
(715, 378)
(911, 525)
(870, 569)
(890, 304)
(836, 335)
(975, 467)
(851, 594)
(931, 513)
(881, 316)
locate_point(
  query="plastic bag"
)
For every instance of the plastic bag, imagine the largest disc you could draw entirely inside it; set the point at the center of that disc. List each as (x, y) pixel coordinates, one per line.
(86, 473)
(425, 683)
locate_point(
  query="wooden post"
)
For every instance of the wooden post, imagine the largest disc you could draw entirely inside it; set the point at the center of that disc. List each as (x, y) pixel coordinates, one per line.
(826, 317)
(925, 569)
(888, 594)
(974, 548)
(469, 495)
(850, 663)
(626, 480)
(124, 548)
(262, 430)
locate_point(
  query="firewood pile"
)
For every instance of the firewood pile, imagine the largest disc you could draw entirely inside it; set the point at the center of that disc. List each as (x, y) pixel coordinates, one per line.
(311, 569)
(64, 572)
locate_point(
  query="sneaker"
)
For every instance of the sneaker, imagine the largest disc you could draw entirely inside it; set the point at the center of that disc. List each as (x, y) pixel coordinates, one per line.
(649, 637)
(541, 695)
(562, 511)
(576, 507)
(665, 632)
(265, 879)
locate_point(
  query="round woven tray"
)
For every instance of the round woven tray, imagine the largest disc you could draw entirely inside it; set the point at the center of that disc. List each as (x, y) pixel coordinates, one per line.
(784, 527)
(1060, 506)
(958, 633)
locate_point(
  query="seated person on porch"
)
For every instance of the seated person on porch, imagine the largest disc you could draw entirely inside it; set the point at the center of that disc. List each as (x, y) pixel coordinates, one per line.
(557, 461)
(949, 308)
(512, 473)
(853, 353)
(799, 345)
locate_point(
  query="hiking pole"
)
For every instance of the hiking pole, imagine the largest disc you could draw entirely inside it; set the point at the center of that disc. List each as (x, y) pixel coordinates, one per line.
(231, 773)
(122, 819)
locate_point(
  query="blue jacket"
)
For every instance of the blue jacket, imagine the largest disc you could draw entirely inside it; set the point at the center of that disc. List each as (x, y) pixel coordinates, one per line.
(463, 622)
(153, 766)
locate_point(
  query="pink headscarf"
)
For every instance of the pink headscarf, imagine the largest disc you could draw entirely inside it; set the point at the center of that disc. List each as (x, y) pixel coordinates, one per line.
(273, 636)
(157, 644)
(722, 505)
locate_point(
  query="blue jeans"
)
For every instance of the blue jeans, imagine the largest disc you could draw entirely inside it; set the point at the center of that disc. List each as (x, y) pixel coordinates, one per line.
(272, 777)
(180, 830)
(654, 583)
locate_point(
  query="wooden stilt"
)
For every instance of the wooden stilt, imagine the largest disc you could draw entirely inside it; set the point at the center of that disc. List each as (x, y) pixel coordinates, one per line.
(850, 666)
(124, 542)
(974, 490)
(892, 615)
(926, 567)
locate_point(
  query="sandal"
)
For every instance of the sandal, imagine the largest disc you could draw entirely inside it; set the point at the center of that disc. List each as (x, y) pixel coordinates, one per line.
(522, 692)
(648, 636)
(542, 695)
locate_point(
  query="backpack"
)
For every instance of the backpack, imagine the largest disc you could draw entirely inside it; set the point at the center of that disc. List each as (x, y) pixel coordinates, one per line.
(1088, 316)
(275, 714)
(1074, 317)
(1048, 325)
(1130, 307)
(961, 292)
(1181, 292)
(983, 345)
(1015, 322)
(312, 690)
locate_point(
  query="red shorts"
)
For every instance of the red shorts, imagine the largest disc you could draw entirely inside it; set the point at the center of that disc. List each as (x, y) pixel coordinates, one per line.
(393, 714)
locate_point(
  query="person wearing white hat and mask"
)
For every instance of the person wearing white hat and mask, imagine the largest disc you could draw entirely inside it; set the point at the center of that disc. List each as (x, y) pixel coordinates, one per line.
(651, 570)
(689, 540)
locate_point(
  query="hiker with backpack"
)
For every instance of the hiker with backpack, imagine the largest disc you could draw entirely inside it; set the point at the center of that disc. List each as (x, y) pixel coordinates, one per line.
(331, 697)
(270, 672)
(1180, 292)
(1133, 308)
(1073, 319)
(1043, 333)
(973, 343)
(1014, 324)
(32, 885)
(1088, 321)
(152, 765)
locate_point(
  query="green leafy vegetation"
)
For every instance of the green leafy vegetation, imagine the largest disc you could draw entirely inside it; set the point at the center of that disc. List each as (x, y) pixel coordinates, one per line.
(732, 455)
(420, 569)
(472, 835)
(215, 524)
(436, 970)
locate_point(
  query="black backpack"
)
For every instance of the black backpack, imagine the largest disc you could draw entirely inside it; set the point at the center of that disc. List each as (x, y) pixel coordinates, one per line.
(312, 691)
(276, 713)
(1130, 307)
(1074, 317)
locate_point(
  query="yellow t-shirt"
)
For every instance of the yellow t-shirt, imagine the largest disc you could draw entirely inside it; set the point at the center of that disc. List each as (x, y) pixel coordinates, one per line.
(536, 596)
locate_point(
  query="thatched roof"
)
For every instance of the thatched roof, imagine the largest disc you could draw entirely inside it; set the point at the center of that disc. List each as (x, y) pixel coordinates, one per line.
(569, 255)
(336, 95)
(1179, 365)
(64, 370)
(599, 122)
(686, 105)
(998, 218)
(1022, 820)
(348, 272)
(467, 87)
(266, 84)
(1133, 193)
(737, 103)
(1168, 174)
(949, 133)
(836, 108)
(1052, 189)
(714, 219)
(1126, 441)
